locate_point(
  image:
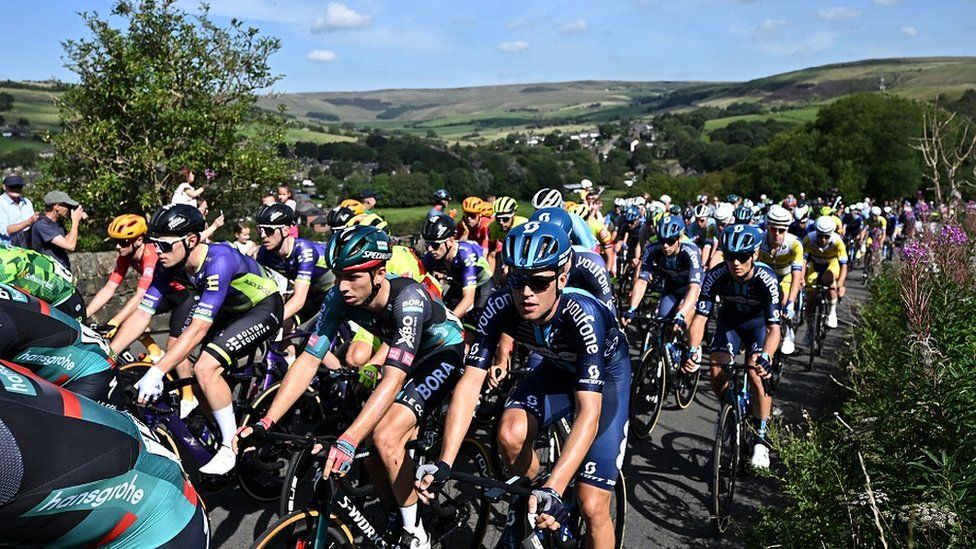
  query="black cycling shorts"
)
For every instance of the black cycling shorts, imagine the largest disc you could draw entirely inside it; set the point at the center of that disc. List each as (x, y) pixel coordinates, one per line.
(181, 305)
(431, 380)
(308, 312)
(101, 387)
(236, 335)
(74, 307)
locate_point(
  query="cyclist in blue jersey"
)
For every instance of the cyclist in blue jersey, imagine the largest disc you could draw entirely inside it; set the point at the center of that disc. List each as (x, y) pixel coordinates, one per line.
(581, 234)
(703, 227)
(300, 261)
(585, 374)
(464, 264)
(56, 347)
(423, 349)
(78, 474)
(675, 265)
(748, 320)
(239, 307)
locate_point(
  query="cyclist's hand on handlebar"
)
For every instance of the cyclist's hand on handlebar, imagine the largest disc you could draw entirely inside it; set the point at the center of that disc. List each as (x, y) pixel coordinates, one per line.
(255, 433)
(628, 317)
(841, 290)
(549, 509)
(692, 360)
(764, 366)
(430, 479)
(497, 373)
(341, 455)
(150, 386)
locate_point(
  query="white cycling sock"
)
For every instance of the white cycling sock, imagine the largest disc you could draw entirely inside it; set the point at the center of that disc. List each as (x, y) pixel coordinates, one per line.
(410, 522)
(227, 423)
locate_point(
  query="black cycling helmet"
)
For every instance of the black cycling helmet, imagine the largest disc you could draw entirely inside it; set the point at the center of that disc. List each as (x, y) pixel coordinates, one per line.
(438, 228)
(358, 248)
(441, 195)
(177, 220)
(338, 216)
(276, 214)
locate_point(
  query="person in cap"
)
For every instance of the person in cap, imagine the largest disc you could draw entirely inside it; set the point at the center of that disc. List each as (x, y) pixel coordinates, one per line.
(16, 211)
(368, 197)
(49, 236)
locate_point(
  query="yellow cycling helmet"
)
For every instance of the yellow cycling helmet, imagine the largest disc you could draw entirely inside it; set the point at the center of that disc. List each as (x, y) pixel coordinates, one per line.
(354, 205)
(487, 210)
(472, 204)
(368, 220)
(127, 226)
(505, 205)
(581, 210)
(569, 205)
(826, 210)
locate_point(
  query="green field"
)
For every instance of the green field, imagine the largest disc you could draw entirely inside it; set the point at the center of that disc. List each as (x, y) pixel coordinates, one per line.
(798, 116)
(295, 134)
(8, 144)
(37, 106)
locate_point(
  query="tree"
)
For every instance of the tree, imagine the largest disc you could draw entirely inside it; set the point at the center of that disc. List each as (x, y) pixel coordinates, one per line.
(6, 101)
(948, 147)
(164, 90)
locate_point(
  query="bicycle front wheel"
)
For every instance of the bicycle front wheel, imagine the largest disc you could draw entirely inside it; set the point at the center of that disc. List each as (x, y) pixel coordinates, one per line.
(725, 465)
(297, 530)
(687, 387)
(647, 394)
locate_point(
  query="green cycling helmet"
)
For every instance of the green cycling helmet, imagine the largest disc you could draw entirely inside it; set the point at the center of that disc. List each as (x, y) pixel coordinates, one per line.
(358, 248)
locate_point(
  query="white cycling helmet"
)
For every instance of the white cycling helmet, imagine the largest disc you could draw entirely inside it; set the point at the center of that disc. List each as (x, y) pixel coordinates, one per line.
(547, 198)
(887, 209)
(875, 210)
(639, 201)
(778, 216)
(826, 225)
(618, 201)
(723, 212)
(801, 213)
(702, 210)
(586, 184)
(656, 207)
(665, 199)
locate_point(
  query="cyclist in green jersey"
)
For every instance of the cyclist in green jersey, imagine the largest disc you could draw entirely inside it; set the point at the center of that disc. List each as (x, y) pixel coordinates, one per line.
(42, 277)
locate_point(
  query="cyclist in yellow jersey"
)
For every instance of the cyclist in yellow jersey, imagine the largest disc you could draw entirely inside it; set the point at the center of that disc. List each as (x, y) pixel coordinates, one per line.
(783, 252)
(825, 249)
(505, 208)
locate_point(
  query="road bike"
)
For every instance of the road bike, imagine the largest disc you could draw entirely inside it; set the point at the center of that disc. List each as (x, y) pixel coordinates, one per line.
(660, 372)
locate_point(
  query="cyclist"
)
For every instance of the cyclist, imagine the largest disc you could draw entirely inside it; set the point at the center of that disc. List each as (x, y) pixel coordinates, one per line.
(355, 206)
(854, 231)
(474, 226)
(675, 263)
(748, 319)
(442, 199)
(783, 253)
(584, 374)
(552, 198)
(43, 277)
(505, 209)
(801, 222)
(627, 237)
(712, 252)
(423, 355)
(238, 308)
(825, 249)
(338, 217)
(877, 229)
(743, 215)
(94, 476)
(703, 227)
(300, 261)
(599, 229)
(463, 263)
(55, 346)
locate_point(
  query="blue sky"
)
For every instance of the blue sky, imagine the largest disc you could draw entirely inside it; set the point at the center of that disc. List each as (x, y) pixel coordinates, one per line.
(373, 44)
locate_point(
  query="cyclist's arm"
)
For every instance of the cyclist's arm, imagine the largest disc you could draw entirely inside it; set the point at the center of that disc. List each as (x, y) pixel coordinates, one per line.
(184, 345)
(772, 313)
(643, 275)
(297, 299)
(696, 330)
(586, 422)
(133, 327)
(703, 308)
(378, 404)
(102, 297)
(687, 307)
(467, 301)
(130, 307)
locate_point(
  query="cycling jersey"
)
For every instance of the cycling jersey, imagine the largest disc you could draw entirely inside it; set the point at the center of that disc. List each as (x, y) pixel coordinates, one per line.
(676, 271)
(42, 277)
(55, 346)
(146, 267)
(603, 236)
(589, 273)
(582, 235)
(305, 263)
(853, 223)
(496, 234)
(834, 250)
(78, 474)
(478, 234)
(405, 263)
(878, 224)
(892, 224)
(746, 309)
(629, 234)
(468, 268)
(783, 259)
(701, 236)
(582, 349)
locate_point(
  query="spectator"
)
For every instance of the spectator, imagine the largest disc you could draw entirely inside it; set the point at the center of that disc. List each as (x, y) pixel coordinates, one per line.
(286, 197)
(16, 211)
(48, 234)
(368, 198)
(242, 240)
(268, 198)
(218, 222)
(185, 193)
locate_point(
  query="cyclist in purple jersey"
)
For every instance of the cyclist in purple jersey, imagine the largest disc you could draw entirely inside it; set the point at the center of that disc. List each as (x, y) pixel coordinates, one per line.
(239, 307)
(464, 264)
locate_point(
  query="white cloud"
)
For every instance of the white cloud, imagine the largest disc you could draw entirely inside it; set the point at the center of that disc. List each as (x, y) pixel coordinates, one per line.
(575, 26)
(322, 55)
(909, 31)
(514, 46)
(886, 2)
(768, 29)
(338, 17)
(839, 13)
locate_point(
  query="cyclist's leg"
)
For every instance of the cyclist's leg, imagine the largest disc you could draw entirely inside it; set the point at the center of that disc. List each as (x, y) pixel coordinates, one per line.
(100, 386)
(753, 334)
(195, 535)
(73, 306)
(725, 345)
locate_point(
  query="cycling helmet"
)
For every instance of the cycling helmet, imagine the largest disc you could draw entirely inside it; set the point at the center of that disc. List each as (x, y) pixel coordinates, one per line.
(741, 239)
(472, 204)
(789, 202)
(338, 216)
(177, 220)
(639, 201)
(665, 199)
(732, 198)
(826, 225)
(801, 213)
(505, 205)
(358, 248)
(581, 210)
(354, 205)
(778, 216)
(547, 198)
(441, 194)
(367, 220)
(275, 214)
(586, 184)
(127, 227)
(887, 209)
(674, 209)
(535, 246)
(743, 215)
(655, 206)
(702, 210)
(487, 210)
(556, 216)
(670, 227)
(438, 228)
(723, 212)
(826, 210)
(632, 214)
(875, 210)
(701, 198)
(748, 203)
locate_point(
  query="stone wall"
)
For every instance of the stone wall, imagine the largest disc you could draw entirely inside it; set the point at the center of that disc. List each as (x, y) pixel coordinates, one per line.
(91, 270)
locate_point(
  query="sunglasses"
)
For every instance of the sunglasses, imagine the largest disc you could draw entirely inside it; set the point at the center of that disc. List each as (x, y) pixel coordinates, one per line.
(536, 283)
(741, 257)
(503, 218)
(669, 241)
(166, 246)
(433, 245)
(124, 242)
(268, 230)
(778, 230)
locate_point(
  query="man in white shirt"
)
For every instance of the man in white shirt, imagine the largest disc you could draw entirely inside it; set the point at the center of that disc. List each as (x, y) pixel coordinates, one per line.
(16, 211)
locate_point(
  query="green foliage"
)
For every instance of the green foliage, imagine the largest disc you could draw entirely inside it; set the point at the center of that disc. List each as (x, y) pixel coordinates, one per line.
(23, 157)
(159, 91)
(6, 101)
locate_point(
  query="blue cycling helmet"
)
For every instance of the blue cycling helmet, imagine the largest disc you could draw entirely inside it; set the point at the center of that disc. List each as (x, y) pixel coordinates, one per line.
(732, 198)
(741, 239)
(536, 245)
(557, 216)
(670, 227)
(632, 214)
(743, 215)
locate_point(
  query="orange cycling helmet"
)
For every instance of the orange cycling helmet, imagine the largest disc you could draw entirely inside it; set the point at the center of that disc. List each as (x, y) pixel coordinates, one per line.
(472, 204)
(127, 227)
(354, 205)
(487, 210)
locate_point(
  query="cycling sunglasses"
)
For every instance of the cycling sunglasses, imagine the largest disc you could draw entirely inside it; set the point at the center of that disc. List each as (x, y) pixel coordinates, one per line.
(536, 283)
(124, 242)
(740, 257)
(669, 241)
(503, 218)
(778, 230)
(268, 230)
(166, 246)
(433, 245)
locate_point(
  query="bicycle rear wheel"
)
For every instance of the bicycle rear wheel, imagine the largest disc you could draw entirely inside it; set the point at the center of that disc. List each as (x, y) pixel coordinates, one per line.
(686, 387)
(814, 329)
(725, 465)
(297, 530)
(647, 394)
